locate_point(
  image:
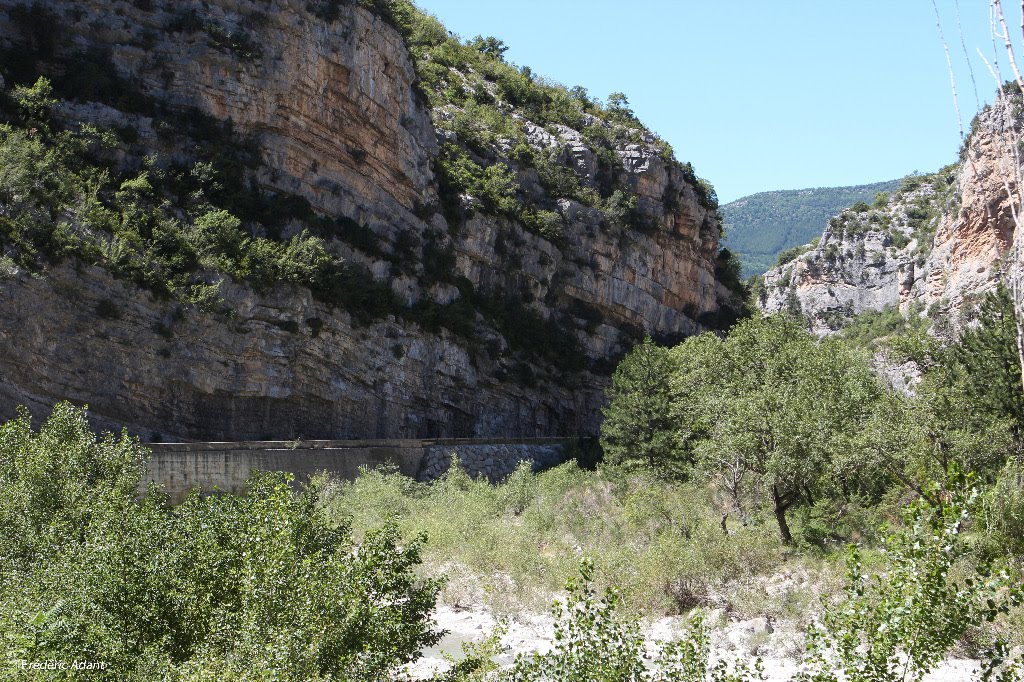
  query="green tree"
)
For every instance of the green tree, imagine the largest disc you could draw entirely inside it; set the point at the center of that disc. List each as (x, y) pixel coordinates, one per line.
(898, 624)
(244, 587)
(489, 46)
(985, 360)
(618, 106)
(772, 410)
(914, 440)
(968, 410)
(638, 427)
(35, 102)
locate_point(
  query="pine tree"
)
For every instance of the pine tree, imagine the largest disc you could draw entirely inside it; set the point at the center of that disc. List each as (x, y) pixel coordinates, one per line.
(637, 427)
(985, 361)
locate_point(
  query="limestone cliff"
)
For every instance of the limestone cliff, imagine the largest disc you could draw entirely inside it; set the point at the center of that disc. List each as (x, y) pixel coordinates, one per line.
(932, 248)
(465, 314)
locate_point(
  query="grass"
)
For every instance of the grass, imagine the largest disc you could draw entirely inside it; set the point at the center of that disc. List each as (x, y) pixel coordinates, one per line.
(511, 545)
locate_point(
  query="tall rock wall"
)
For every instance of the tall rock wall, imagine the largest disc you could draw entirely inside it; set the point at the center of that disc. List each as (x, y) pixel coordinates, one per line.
(324, 95)
(934, 247)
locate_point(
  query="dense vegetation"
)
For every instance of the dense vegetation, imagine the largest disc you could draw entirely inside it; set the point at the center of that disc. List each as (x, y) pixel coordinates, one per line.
(163, 228)
(273, 584)
(729, 459)
(513, 544)
(761, 226)
(894, 625)
(780, 419)
(223, 587)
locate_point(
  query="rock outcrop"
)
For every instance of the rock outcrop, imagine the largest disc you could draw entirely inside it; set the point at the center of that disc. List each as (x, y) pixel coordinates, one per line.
(323, 96)
(932, 248)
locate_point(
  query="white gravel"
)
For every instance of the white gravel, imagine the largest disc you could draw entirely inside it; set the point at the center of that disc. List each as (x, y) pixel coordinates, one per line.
(778, 646)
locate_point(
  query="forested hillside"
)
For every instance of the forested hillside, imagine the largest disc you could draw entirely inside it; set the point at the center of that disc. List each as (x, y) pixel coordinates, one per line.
(761, 226)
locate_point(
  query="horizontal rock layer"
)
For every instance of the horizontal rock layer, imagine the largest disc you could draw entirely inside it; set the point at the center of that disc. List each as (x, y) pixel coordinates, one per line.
(332, 109)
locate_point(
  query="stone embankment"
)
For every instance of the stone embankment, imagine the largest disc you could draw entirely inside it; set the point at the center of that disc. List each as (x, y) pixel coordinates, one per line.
(181, 467)
(495, 461)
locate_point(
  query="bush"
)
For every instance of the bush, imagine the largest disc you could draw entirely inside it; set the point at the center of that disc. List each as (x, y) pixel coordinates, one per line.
(660, 541)
(895, 625)
(225, 586)
(791, 254)
(900, 624)
(1003, 509)
(595, 642)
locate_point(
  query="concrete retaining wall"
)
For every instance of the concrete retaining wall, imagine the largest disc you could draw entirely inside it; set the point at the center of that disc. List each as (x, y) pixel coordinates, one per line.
(181, 467)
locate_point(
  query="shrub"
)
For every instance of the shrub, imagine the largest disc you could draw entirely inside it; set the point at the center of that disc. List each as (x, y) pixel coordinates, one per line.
(660, 541)
(35, 102)
(791, 254)
(218, 587)
(898, 625)
(595, 642)
(108, 309)
(727, 271)
(1003, 509)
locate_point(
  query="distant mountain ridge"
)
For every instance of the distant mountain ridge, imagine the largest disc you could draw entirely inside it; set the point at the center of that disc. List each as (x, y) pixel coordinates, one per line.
(760, 226)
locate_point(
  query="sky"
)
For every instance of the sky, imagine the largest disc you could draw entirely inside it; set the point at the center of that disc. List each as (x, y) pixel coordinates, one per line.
(762, 95)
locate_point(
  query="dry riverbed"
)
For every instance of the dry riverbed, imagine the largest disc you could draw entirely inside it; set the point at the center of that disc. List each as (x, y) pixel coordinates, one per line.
(778, 644)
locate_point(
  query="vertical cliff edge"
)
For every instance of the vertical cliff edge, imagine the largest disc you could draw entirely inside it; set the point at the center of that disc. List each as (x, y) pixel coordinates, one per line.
(326, 219)
(931, 248)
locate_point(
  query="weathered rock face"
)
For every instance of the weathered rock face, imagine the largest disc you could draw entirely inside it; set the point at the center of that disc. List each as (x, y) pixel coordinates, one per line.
(330, 105)
(865, 259)
(331, 108)
(284, 366)
(932, 248)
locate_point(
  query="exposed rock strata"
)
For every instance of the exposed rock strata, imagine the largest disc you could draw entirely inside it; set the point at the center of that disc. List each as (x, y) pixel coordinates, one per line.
(933, 249)
(334, 115)
(171, 375)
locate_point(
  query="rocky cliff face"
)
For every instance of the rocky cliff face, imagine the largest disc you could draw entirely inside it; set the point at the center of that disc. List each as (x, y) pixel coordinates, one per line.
(933, 247)
(323, 102)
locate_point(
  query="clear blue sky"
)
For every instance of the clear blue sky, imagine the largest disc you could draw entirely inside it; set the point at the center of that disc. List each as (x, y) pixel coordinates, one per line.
(762, 94)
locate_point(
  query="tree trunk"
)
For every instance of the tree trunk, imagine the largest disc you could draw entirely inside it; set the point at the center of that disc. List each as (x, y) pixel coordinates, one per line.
(1018, 307)
(781, 505)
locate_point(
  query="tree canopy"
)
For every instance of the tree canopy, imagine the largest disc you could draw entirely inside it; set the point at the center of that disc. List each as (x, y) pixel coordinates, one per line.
(770, 407)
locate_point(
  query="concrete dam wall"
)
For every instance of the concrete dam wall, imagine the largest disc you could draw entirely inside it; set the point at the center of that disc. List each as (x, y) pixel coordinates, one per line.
(181, 467)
